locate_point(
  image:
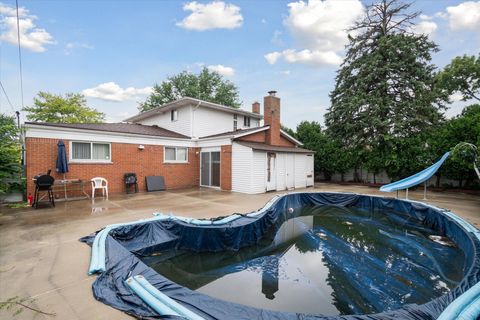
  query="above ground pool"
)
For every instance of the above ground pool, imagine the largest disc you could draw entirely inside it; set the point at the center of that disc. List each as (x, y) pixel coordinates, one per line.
(302, 256)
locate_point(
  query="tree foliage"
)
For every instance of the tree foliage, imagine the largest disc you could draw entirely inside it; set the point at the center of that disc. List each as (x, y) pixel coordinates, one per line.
(69, 108)
(207, 85)
(462, 128)
(386, 86)
(462, 76)
(10, 169)
(329, 156)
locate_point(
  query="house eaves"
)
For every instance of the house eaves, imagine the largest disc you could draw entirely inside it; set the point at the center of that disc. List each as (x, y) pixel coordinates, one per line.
(289, 137)
(193, 102)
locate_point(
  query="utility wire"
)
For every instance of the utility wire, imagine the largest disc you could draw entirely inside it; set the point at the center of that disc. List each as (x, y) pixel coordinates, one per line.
(6, 96)
(19, 54)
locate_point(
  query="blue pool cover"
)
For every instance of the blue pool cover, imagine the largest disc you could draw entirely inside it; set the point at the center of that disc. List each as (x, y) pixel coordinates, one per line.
(115, 252)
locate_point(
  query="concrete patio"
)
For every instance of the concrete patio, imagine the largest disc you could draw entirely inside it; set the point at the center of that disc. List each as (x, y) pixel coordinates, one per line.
(41, 257)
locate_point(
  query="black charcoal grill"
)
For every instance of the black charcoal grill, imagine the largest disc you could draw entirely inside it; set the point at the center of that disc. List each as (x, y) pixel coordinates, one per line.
(43, 183)
(130, 179)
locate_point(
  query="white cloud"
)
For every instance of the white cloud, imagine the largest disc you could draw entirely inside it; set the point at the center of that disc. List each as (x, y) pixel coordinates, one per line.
(311, 57)
(465, 16)
(277, 38)
(71, 46)
(223, 70)
(213, 15)
(425, 27)
(319, 28)
(272, 57)
(111, 91)
(425, 17)
(31, 37)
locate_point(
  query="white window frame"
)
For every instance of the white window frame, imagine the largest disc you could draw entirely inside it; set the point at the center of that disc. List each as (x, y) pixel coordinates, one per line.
(246, 121)
(235, 122)
(173, 115)
(176, 150)
(72, 160)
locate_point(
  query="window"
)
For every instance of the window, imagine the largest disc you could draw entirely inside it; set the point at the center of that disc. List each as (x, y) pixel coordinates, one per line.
(246, 121)
(90, 151)
(235, 125)
(174, 115)
(176, 154)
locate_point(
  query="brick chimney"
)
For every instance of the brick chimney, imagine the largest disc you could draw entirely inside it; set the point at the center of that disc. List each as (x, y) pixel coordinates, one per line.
(256, 107)
(271, 116)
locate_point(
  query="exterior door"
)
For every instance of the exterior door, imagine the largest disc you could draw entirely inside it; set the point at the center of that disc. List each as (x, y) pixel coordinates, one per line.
(290, 170)
(281, 172)
(210, 169)
(309, 169)
(271, 171)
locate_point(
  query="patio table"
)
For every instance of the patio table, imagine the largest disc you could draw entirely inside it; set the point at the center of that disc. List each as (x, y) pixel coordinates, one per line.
(71, 185)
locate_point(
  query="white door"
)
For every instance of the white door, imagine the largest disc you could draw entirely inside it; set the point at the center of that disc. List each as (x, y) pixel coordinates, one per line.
(290, 170)
(281, 172)
(309, 170)
(271, 171)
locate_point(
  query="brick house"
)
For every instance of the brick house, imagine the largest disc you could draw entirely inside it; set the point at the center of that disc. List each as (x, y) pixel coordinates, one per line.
(189, 142)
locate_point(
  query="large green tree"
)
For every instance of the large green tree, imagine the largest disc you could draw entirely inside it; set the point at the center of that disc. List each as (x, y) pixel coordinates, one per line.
(385, 88)
(10, 169)
(207, 85)
(462, 128)
(69, 108)
(329, 156)
(462, 76)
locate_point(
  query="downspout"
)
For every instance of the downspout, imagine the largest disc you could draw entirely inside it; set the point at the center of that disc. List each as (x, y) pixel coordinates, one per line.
(193, 117)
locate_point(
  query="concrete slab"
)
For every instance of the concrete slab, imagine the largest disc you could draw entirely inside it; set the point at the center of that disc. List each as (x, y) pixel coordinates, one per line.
(41, 258)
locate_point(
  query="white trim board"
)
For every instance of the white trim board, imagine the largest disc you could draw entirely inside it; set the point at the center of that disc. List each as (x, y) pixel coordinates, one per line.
(102, 136)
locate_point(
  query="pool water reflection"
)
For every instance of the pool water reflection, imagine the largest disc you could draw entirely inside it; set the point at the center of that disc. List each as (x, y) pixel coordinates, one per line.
(327, 260)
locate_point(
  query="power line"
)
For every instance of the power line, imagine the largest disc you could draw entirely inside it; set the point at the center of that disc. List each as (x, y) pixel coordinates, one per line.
(6, 96)
(19, 54)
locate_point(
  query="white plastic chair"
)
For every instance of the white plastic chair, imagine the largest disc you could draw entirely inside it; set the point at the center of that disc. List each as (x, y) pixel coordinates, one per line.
(99, 183)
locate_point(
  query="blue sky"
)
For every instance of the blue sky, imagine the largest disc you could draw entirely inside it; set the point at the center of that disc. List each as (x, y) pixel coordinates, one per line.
(114, 51)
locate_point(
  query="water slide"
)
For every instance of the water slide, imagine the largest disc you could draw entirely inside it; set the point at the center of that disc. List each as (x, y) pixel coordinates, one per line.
(415, 179)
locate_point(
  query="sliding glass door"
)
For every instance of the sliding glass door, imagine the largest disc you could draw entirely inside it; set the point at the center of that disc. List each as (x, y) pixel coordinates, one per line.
(210, 169)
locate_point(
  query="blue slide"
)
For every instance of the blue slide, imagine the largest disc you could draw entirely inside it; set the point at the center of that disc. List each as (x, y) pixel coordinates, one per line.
(417, 178)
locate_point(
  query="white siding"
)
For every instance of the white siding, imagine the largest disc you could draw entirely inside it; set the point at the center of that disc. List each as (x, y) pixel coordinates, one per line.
(300, 171)
(207, 122)
(259, 170)
(310, 170)
(242, 158)
(281, 171)
(182, 125)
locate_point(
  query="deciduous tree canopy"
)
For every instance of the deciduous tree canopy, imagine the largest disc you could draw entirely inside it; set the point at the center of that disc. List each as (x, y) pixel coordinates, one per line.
(207, 85)
(70, 108)
(462, 76)
(10, 170)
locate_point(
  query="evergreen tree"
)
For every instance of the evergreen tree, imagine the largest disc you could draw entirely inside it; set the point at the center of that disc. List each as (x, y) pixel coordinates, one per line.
(385, 88)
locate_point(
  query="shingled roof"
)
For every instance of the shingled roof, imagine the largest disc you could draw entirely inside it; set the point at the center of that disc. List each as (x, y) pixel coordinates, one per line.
(267, 147)
(131, 128)
(235, 132)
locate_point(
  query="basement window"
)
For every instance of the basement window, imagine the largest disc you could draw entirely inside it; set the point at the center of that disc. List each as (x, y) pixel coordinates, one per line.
(90, 152)
(175, 155)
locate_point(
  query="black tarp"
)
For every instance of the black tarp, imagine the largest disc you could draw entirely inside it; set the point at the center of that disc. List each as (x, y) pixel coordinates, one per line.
(124, 244)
